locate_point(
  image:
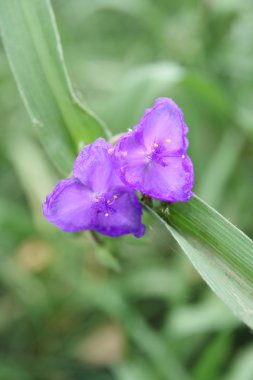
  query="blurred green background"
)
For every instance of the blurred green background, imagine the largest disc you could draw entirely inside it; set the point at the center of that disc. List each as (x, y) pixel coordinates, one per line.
(69, 309)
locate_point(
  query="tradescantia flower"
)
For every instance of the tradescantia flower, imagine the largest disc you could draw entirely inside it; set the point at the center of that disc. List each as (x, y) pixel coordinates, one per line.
(95, 198)
(152, 158)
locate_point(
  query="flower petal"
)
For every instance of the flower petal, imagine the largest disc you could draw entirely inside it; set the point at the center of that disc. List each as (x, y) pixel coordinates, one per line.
(164, 124)
(123, 217)
(94, 167)
(69, 206)
(172, 183)
(129, 151)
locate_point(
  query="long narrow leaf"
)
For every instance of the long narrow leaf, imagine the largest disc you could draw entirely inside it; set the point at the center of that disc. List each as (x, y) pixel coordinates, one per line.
(221, 253)
(33, 47)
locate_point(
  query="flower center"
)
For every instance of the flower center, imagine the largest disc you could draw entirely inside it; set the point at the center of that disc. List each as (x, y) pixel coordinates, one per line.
(160, 152)
(104, 204)
(157, 154)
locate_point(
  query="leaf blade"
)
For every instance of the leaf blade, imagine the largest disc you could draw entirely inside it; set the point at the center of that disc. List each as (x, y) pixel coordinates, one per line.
(221, 253)
(32, 44)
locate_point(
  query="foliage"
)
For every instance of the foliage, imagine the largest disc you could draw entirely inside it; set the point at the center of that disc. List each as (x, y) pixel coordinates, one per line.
(127, 308)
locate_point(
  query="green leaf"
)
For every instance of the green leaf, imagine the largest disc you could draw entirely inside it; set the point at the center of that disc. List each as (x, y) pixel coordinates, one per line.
(208, 316)
(32, 169)
(221, 253)
(221, 167)
(241, 365)
(213, 357)
(33, 47)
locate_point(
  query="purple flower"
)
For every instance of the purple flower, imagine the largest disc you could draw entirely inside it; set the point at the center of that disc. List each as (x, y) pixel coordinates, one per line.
(95, 198)
(152, 158)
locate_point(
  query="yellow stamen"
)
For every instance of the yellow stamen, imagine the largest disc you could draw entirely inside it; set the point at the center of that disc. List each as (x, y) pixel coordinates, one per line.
(96, 200)
(153, 150)
(108, 201)
(156, 145)
(106, 214)
(115, 196)
(168, 140)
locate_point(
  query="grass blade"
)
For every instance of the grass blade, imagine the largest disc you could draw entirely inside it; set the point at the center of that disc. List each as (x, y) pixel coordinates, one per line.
(221, 253)
(33, 47)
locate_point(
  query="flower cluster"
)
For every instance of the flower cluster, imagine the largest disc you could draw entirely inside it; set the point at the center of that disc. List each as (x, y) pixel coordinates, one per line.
(101, 195)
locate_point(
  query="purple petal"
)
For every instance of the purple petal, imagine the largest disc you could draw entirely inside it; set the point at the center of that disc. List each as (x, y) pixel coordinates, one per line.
(122, 217)
(69, 206)
(172, 183)
(164, 124)
(129, 151)
(95, 169)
